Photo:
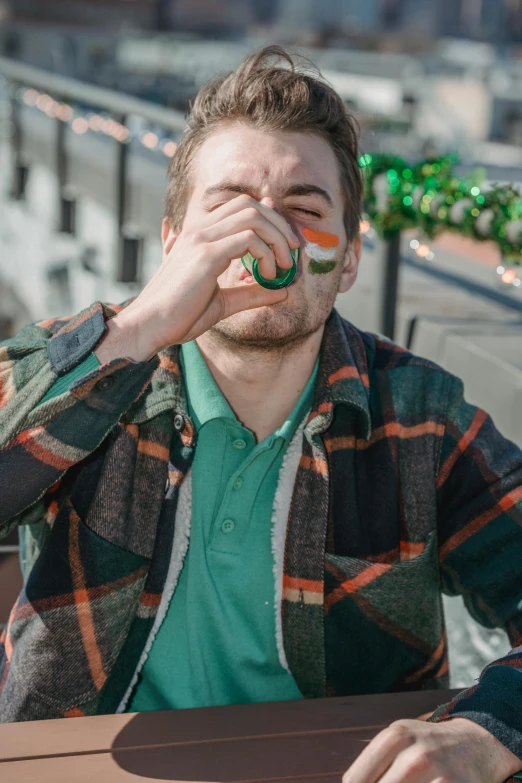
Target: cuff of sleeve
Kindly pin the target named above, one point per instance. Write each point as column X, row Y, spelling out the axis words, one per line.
column 114, row 386
column 494, row 703
column 75, row 341
column 108, row 389
column 65, row 381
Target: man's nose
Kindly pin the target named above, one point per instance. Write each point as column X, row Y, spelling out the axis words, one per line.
column 277, row 206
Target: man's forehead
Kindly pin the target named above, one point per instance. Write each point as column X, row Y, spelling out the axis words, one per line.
column 279, row 159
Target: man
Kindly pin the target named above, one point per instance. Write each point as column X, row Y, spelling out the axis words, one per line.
column 229, row 494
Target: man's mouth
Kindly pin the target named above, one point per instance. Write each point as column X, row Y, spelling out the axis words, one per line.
column 246, row 277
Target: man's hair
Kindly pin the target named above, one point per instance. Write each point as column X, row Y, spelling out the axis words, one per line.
column 268, row 92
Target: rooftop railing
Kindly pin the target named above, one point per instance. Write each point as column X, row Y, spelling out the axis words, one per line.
column 59, row 97
column 65, row 102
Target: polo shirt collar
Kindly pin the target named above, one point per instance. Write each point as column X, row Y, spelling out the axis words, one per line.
column 304, row 403
column 205, row 399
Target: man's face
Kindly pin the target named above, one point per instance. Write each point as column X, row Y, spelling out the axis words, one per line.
column 297, row 175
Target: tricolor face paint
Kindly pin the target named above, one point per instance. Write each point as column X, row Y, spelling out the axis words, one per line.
column 320, row 249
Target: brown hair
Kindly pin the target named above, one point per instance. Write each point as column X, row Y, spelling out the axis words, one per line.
column 270, row 95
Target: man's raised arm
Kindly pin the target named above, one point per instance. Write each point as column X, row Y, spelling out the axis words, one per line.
column 42, row 436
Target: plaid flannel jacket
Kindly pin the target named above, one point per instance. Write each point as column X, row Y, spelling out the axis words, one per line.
column 403, row 491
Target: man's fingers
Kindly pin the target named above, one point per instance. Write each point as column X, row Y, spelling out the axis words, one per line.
column 239, row 245
column 248, row 297
column 411, row 767
column 252, row 220
column 379, row 755
column 243, row 202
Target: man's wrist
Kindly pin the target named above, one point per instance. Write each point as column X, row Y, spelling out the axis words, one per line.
column 122, row 340
column 504, row 763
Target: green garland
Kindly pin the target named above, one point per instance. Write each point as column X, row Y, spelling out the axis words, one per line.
column 430, row 197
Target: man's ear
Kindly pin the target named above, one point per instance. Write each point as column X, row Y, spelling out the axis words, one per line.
column 168, row 236
column 350, row 265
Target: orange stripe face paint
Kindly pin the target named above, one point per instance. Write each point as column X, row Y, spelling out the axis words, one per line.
column 321, row 238
column 320, row 249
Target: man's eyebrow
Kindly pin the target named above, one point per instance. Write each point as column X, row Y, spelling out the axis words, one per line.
column 309, row 190
column 299, row 189
column 227, row 187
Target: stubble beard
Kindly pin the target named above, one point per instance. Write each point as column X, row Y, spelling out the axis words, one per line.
column 277, row 329
column 266, row 329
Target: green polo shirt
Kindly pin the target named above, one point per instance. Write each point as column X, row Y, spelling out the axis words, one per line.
column 217, row 643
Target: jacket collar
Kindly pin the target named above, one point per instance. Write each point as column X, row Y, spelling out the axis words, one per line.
column 346, row 357
column 343, row 378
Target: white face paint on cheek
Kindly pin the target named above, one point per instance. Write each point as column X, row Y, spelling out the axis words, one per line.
column 319, row 253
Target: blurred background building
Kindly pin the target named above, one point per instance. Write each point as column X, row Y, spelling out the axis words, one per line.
column 496, row 21
column 422, row 77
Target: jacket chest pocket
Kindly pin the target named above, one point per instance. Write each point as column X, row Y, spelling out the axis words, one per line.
column 383, row 621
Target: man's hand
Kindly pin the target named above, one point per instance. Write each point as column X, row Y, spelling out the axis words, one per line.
column 183, row 299
column 455, row 751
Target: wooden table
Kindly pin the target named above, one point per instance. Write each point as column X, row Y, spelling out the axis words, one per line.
column 299, row 741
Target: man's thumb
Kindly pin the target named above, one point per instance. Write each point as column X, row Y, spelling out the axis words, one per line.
column 249, row 296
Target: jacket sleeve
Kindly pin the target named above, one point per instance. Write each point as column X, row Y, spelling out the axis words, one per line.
column 40, row 442
column 479, row 498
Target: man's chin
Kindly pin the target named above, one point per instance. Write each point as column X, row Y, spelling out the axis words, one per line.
column 264, row 328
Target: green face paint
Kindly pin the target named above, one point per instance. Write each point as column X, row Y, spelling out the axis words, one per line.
column 321, row 267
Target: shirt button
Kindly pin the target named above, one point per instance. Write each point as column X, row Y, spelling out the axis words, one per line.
column 239, row 444
column 228, row 525
column 179, row 422
column 238, row 483
column 104, row 384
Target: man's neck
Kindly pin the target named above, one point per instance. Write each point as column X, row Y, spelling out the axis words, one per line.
column 262, row 388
